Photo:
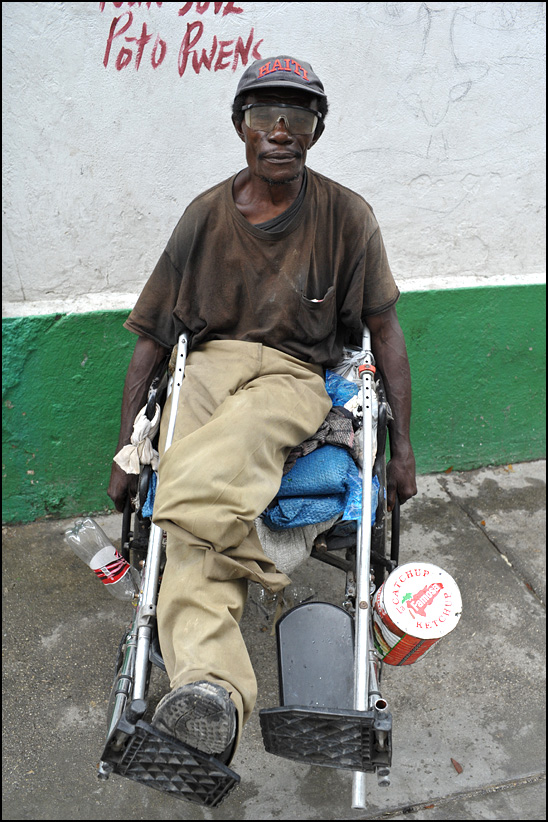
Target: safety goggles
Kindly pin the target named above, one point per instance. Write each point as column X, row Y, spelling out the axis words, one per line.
column 265, row 116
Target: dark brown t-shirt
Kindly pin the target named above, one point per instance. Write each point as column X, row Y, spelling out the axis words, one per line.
column 304, row 290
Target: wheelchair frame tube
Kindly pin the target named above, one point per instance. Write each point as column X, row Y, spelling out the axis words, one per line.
column 124, row 680
column 148, row 596
column 363, row 562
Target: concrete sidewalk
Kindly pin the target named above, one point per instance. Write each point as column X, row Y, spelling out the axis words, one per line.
column 477, row 698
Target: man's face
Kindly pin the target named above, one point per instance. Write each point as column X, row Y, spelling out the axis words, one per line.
column 277, row 156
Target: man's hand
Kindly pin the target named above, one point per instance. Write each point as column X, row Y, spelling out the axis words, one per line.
column 400, row 480
column 145, row 363
column 121, row 484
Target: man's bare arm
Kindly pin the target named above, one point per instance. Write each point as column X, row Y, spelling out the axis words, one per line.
column 389, row 350
column 142, row 369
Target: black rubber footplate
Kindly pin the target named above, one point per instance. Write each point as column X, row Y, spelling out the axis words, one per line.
column 161, row 762
column 345, row 739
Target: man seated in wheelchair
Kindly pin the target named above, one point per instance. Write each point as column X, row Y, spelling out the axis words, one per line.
column 271, row 272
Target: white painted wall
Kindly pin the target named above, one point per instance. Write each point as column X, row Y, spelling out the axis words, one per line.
column 436, row 118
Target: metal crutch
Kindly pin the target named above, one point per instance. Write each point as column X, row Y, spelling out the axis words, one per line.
column 366, row 694
column 132, row 677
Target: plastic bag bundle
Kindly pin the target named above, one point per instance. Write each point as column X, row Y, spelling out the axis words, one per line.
column 348, row 366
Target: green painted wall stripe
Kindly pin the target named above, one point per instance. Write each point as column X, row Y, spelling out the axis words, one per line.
column 62, row 389
column 478, row 366
column 478, row 370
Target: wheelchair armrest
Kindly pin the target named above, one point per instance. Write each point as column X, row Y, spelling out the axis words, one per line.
column 156, row 394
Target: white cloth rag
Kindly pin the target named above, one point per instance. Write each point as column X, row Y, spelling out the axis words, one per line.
column 289, row 548
column 140, row 451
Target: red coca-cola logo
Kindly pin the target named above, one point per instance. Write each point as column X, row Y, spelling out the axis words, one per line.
column 418, row 604
column 112, row 571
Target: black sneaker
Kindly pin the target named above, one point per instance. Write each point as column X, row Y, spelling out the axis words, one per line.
column 200, row 715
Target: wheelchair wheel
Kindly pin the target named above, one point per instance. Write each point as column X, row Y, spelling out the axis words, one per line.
column 383, row 561
column 380, row 562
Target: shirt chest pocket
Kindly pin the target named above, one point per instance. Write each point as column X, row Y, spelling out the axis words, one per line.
column 316, row 319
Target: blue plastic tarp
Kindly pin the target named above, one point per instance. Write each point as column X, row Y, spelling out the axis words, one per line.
column 324, row 484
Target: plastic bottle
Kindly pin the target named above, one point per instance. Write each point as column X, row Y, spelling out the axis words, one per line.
column 92, row 545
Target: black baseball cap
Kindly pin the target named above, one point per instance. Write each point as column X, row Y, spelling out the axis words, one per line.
column 282, row 71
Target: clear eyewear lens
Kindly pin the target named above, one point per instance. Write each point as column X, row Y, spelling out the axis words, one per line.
column 297, row 121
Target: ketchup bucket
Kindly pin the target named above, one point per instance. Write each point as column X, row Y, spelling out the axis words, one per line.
column 414, row 608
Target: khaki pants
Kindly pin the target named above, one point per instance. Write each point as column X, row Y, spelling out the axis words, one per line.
column 242, row 407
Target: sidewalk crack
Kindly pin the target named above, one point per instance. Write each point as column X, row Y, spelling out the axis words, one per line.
column 442, row 801
column 444, row 486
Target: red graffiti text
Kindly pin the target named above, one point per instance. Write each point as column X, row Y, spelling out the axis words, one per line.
column 128, row 45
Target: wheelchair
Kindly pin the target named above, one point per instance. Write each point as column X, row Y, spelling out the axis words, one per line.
column 331, row 710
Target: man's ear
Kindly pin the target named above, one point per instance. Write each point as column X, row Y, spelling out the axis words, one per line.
column 238, row 126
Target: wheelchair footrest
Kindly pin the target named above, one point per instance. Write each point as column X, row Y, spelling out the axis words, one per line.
column 161, row 762
column 345, row 739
